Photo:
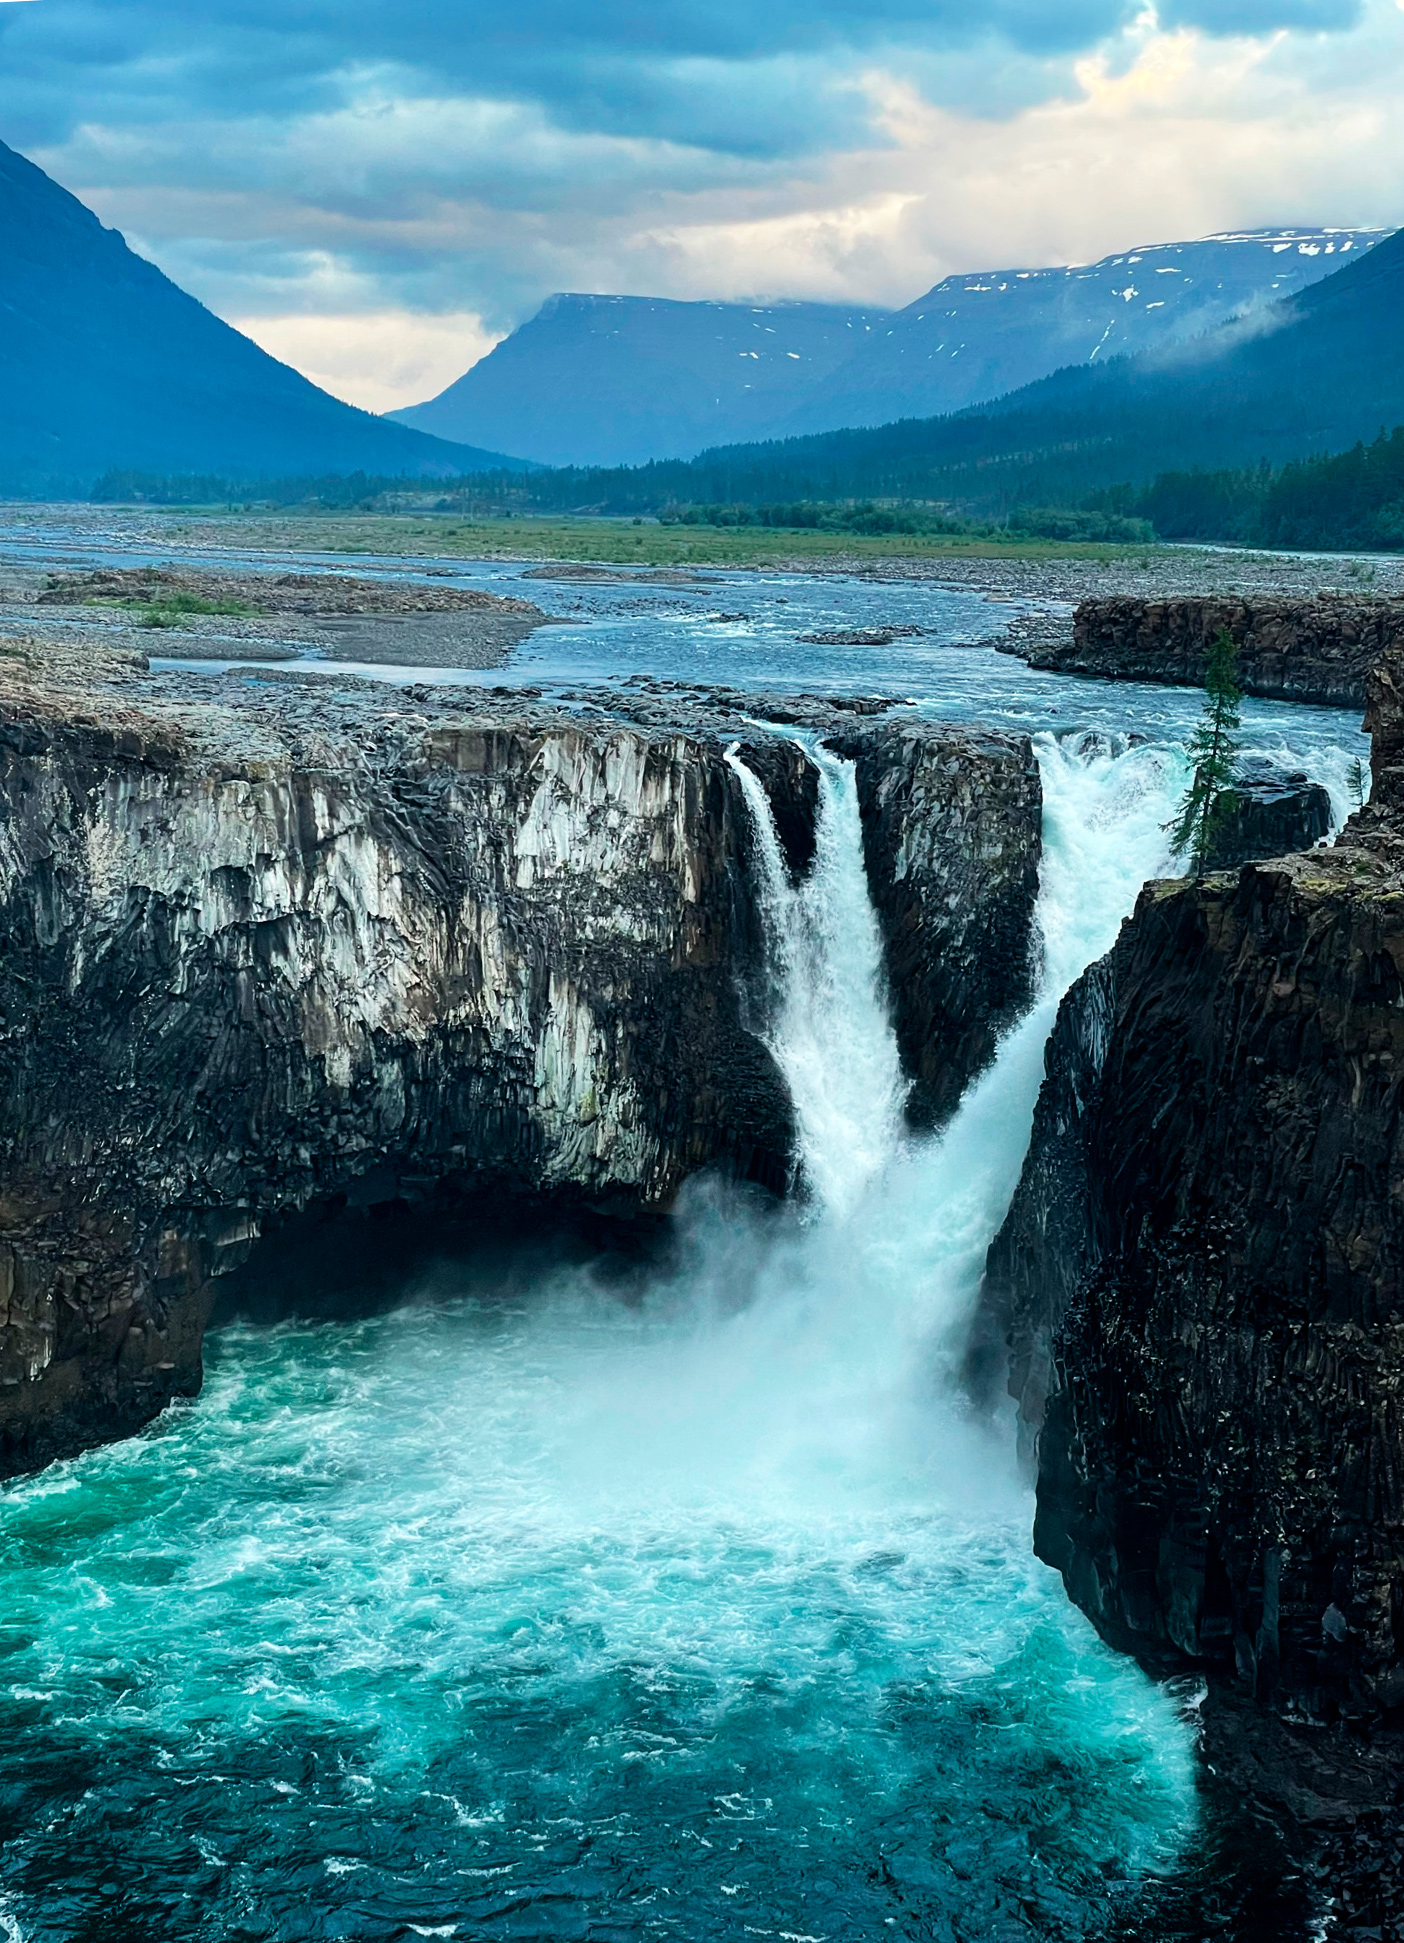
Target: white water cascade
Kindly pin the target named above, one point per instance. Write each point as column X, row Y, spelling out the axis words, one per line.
column 691, row 1616
column 832, row 1037
column 912, row 1217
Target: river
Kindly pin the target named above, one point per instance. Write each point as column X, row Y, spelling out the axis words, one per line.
column 684, row 1600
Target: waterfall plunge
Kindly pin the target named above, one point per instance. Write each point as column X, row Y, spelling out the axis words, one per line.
column 903, row 1223
column 667, row 1616
column 832, row 1037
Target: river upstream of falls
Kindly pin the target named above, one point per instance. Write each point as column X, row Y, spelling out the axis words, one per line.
column 691, row 1606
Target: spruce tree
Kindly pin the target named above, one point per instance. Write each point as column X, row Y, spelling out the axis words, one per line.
column 1213, row 746
column 1358, row 783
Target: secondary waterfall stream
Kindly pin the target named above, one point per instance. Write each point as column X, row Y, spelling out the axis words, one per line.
column 532, row 1611
column 832, row 1036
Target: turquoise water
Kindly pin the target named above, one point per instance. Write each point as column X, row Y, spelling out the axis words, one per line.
column 551, row 1606
column 353, row 1648
column 683, row 1602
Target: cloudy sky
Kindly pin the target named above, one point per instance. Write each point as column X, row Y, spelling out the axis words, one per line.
column 377, row 189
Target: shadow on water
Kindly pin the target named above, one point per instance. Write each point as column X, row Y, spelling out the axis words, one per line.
column 1243, row 1885
column 350, row 1258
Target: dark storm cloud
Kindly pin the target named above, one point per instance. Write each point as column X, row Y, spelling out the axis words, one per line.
column 659, row 69
column 344, row 157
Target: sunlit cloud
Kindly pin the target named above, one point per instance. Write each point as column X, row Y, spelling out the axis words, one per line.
column 374, row 187
column 376, row 359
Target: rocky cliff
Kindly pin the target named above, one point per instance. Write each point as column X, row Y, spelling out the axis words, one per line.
column 954, row 878
column 1200, row 1276
column 1300, row 650
column 947, row 820
column 1275, row 811
column 267, row 945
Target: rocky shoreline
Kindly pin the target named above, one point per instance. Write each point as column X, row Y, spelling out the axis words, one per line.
column 195, row 613
column 1316, row 650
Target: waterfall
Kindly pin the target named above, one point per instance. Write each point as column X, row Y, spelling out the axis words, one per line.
column 895, row 1275
column 832, row 1032
column 668, row 1615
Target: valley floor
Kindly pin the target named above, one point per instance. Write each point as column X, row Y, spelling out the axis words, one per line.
column 1016, row 566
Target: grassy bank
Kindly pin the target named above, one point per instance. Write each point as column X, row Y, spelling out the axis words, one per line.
column 606, row 541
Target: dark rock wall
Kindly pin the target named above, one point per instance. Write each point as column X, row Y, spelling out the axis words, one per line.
column 951, row 837
column 1041, row 1256
column 247, row 968
column 1275, row 811
column 1300, row 650
column 1220, row 1467
column 1200, row 1277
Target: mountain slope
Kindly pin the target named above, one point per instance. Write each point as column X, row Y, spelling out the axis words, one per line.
column 104, row 362
column 974, row 338
column 1314, row 373
column 620, row 380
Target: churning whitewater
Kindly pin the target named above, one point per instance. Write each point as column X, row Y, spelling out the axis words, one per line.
column 692, row 1606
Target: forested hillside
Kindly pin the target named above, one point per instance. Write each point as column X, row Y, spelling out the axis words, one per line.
column 1351, row 499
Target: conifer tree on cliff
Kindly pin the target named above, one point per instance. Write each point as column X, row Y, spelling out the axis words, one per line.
column 1209, row 797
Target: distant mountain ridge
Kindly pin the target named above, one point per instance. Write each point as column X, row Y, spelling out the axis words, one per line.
column 622, row 380
column 974, row 338
column 1314, row 373
column 105, row 363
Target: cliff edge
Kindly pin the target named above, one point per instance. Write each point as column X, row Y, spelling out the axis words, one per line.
column 1200, row 1284
column 1318, row 650
column 269, row 945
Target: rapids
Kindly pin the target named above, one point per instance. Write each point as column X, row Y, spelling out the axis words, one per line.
column 683, row 1601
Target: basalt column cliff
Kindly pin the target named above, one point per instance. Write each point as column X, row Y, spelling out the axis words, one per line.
column 1200, row 1277
column 264, row 947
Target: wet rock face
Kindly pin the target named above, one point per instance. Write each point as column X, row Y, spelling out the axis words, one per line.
column 1219, row 1466
column 367, row 952
column 1300, row 650
column 951, row 838
column 1201, row 1275
column 1044, row 1250
column 1276, row 811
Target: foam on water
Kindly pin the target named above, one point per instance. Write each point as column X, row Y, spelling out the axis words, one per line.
column 529, row 1610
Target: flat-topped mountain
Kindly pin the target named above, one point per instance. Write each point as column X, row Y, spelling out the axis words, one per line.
column 1310, row 373
column 104, row 362
column 973, row 338
column 622, row 380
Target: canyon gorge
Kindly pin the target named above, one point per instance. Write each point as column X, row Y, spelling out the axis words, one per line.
column 295, row 962
column 256, row 967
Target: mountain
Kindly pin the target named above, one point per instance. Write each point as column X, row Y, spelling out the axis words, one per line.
column 974, row 338
column 104, row 362
column 620, row 380
column 1312, row 373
